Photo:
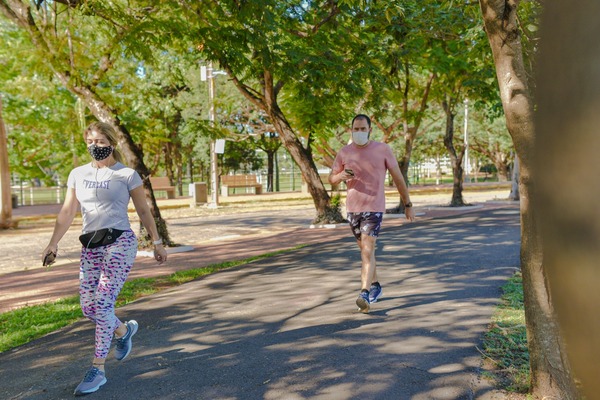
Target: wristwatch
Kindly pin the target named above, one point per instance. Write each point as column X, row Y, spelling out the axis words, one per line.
column 408, row 205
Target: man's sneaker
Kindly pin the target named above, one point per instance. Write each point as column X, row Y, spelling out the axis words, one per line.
column 363, row 302
column 93, row 379
column 375, row 293
column 124, row 343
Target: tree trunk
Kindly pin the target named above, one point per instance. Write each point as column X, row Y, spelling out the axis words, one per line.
column 456, row 159
column 514, row 189
column 404, row 161
column 502, row 164
column 550, row 372
column 308, row 169
column 303, row 158
column 270, row 169
column 5, row 193
column 21, row 15
column 567, row 144
column 173, row 158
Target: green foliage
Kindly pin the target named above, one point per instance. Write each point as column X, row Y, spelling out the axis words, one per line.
column 240, row 157
column 41, row 118
column 328, row 60
column 505, row 344
column 336, row 202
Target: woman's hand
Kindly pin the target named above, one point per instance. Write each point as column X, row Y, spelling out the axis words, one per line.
column 409, row 212
column 160, row 254
column 50, row 249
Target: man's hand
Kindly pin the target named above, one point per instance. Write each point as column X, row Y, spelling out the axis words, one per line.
column 346, row 174
column 343, row 176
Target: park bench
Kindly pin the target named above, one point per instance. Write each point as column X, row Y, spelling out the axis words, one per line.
column 239, row 181
column 162, row 183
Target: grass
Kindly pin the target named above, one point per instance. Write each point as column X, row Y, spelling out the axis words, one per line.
column 23, row 325
column 505, row 343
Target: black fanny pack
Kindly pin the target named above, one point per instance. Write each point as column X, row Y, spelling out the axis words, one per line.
column 101, row 237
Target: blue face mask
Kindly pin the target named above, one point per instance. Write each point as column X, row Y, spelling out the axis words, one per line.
column 99, row 153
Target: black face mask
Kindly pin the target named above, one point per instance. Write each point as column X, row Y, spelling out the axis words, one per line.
column 99, row 153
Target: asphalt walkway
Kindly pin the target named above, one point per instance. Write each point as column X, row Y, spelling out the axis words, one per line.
column 286, row 327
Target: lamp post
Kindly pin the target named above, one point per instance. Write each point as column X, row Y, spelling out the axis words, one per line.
column 467, row 166
column 214, row 175
column 216, row 146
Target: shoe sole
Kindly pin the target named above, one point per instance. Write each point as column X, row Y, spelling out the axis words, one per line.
column 92, row 390
column 363, row 305
column 133, row 332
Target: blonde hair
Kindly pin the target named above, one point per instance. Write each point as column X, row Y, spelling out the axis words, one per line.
column 109, row 133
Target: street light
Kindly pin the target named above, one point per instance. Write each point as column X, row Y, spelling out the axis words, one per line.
column 467, row 166
column 207, row 74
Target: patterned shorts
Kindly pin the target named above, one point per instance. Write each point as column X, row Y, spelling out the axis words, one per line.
column 367, row 223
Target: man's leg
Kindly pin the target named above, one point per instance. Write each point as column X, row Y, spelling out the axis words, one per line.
column 368, row 273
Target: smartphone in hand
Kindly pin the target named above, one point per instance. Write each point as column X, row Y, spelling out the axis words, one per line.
column 49, row 259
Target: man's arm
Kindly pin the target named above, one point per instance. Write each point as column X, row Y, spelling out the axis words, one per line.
column 403, row 190
column 335, row 178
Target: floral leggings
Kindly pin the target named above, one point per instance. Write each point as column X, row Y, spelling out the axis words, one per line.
column 102, row 274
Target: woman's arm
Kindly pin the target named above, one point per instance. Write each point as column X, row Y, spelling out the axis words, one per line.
column 143, row 211
column 63, row 221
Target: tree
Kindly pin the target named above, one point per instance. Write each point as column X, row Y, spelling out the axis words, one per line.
column 81, row 50
column 249, row 130
column 431, row 52
column 456, row 157
column 5, row 193
column 489, row 137
column 550, row 372
column 566, row 171
column 278, row 49
column 403, row 55
column 463, row 72
column 41, row 118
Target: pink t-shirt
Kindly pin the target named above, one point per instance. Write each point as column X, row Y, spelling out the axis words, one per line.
column 370, row 163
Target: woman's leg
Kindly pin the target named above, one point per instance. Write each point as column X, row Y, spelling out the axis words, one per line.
column 118, row 259
column 89, row 276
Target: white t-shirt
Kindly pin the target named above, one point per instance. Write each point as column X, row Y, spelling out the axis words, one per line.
column 103, row 194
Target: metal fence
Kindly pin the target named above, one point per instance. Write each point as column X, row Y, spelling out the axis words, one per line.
column 26, row 195
column 35, row 195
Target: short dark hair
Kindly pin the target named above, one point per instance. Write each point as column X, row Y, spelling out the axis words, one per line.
column 361, row 116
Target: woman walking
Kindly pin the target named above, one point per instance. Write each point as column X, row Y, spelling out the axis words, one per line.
column 102, row 190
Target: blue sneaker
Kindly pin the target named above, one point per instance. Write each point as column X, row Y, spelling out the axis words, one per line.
column 124, row 343
column 375, row 293
column 93, row 379
column 363, row 302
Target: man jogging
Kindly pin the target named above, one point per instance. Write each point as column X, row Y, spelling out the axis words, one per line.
column 363, row 164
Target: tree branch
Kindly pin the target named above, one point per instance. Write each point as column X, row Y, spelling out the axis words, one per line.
column 333, row 12
column 252, row 95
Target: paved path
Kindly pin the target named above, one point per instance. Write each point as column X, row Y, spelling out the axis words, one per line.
column 287, row 327
column 215, row 237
